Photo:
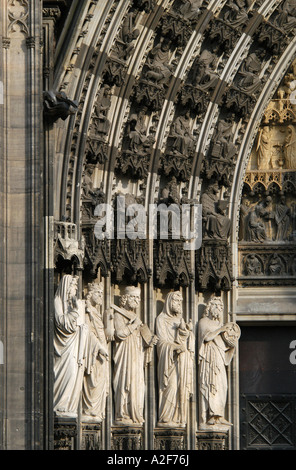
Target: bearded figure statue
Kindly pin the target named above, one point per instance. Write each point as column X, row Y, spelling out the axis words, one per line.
column 132, row 352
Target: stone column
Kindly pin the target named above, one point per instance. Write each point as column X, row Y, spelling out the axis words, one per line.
column 21, row 314
column 51, row 13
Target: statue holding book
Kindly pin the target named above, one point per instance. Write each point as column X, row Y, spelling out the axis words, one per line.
column 133, row 347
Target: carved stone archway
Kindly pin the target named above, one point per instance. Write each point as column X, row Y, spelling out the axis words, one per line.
column 168, row 107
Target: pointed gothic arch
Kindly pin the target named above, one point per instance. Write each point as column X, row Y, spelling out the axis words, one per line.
column 164, row 102
column 124, row 138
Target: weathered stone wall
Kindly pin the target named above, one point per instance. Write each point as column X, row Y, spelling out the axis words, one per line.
column 21, row 225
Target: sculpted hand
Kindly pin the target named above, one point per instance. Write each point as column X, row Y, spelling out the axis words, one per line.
column 109, row 331
column 190, row 325
column 154, row 340
column 110, row 313
column 75, row 303
column 182, row 324
column 183, row 329
column 104, row 353
column 223, row 328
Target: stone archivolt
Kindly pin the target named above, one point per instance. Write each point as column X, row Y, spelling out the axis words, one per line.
column 160, row 105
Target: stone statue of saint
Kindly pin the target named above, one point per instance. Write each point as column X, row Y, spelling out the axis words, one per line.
column 137, row 131
column 133, row 343
column 203, row 70
column 190, row 9
column 217, row 224
column 183, row 140
column 96, row 376
column 253, row 265
column 100, row 121
column 175, row 350
column 264, row 149
column 216, row 346
column 255, row 230
column 70, row 337
column 237, row 14
column 290, row 149
column 286, row 18
column 160, row 69
column 245, row 209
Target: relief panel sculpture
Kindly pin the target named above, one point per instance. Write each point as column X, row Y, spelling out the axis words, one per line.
column 289, row 148
column 274, row 148
column 269, row 220
column 267, row 212
column 220, row 162
column 116, row 65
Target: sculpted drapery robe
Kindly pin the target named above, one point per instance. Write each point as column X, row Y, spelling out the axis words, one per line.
column 213, row 356
column 282, row 219
column 217, row 224
column 128, row 378
column 69, row 351
column 290, row 149
column 175, row 371
column 96, row 379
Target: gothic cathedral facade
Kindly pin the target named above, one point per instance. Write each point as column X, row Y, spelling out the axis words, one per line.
column 148, row 224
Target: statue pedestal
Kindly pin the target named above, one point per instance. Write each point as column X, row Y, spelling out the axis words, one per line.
column 91, row 435
column 127, row 438
column 212, row 440
column 65, row 433
column 170, row 439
